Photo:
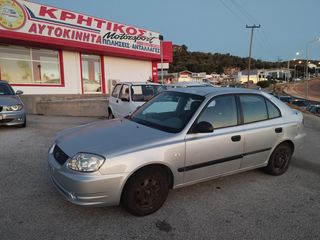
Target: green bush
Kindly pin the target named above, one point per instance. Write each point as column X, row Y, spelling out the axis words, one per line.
column 263, row 84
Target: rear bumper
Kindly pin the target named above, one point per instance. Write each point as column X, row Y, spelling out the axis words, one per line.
column 12, row 118
column 298, row 141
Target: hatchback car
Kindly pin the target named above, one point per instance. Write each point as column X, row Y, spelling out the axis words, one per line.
column 126, row 97
column 12, row 110
column 180, row 137
column 286, row 99
column 314, row 108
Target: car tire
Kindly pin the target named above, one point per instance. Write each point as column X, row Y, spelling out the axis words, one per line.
column 145, row 191
column 110, row 114
column 279, row 160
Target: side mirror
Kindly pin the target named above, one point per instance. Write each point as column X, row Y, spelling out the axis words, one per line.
column 19, row 92
column 203, row 127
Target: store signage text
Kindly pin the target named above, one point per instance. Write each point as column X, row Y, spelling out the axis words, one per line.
column 37, row 19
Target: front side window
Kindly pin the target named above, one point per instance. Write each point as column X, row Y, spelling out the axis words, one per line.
column 21, row 65
column 168, row 111
column 221, row 112
column 254, row 108
column 124, row 93
column 116, row 90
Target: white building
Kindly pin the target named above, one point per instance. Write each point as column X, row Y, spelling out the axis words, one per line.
column 46, row 50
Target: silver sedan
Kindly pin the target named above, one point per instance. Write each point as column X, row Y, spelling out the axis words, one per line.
column 180, row 137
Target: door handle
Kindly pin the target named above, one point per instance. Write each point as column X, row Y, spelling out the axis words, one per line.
column 278, row 130
column 236, row 138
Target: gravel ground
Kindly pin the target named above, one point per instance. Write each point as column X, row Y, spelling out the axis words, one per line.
column 250, row 205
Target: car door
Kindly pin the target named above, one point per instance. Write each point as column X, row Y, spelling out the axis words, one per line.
column 218, row 152
column 124, row 107
column 114, row 100
column 262, row 129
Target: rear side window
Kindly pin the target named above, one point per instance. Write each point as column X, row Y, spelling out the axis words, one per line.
column 273, row 111
column 254, row 108
column 220, row 112
column 116, row 90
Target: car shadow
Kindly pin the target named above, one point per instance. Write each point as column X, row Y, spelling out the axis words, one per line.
column 306, row 165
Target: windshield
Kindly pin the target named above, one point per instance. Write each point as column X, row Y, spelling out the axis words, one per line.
column 143, row 93
column 169, row 111
column 6, row 89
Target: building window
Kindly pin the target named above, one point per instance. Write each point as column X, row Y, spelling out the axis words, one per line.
column 21, row 65
column 91, row 73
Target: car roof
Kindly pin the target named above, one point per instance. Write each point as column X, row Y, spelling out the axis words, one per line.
column 188, row 84
column 204, row 91
column 139, row 83
column 4, row 82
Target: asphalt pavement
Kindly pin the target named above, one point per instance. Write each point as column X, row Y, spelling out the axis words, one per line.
column 250, row 205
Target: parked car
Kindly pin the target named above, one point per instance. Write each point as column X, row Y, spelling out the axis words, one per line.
column 188, row 84
column 286, row 99
column 299, row 102
column 314, row 108
column 210, row 132
column 91, row 85
column 126, row 97
column 12, row 110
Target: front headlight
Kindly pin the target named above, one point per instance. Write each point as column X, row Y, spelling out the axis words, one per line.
column 15, row 107
column 85, row 162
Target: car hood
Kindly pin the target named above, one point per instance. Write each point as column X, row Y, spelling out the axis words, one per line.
column 110, row 138
column 6, row 100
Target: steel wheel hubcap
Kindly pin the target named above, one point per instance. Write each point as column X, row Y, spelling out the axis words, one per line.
column 147, row 193
column 281, row 159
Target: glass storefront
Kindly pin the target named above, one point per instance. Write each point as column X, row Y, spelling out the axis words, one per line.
column 91, row 73
column 22, row 65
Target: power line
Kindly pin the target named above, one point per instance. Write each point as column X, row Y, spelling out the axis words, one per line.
column 244, row 16
column 243, row 11
column 232, row 11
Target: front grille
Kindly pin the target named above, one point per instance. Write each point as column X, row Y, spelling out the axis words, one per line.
column 5, row 120
column 59, row 155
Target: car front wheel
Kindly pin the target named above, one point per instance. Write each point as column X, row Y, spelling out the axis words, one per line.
column 279, row 160
column 145, row 192
column 110, row 114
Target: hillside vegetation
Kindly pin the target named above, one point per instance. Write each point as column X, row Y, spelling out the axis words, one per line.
column 213, row 62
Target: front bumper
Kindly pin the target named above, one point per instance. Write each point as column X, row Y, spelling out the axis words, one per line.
column 12, row 118
column 86, row 189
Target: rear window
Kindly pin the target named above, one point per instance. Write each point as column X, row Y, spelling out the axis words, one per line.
column 273, row 111
column 143, row 93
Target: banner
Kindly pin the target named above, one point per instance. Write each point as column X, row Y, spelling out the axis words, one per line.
column 41, row 20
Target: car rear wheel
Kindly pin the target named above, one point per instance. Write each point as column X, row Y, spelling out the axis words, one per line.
column 146, row 191
column 279, row 160
column 110, row 114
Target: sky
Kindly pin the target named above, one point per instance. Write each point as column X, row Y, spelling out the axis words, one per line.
column 218, row 26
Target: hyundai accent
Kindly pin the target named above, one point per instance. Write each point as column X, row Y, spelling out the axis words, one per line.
column 180, row 137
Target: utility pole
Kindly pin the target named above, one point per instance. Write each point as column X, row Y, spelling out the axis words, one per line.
column 161, row 56
column 252, row 28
